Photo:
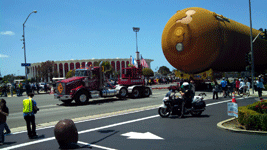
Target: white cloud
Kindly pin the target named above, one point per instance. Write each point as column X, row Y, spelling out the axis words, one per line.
column 7, row 33
column 3, row 56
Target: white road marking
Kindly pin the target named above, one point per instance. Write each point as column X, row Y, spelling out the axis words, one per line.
column 144, row 136
column 95, row 129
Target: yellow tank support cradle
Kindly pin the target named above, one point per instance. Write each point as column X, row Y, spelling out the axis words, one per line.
column 27, row 105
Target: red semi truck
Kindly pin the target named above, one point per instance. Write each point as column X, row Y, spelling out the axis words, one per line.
column 90, row 82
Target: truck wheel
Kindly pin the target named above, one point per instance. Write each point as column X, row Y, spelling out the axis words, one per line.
column 67, row 101
column 146, row 92
column 81, row 97
column 122, row 93
column 135, row 93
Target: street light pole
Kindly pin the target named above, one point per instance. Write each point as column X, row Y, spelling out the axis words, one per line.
column 136, row 29
column 24, row 44
column 251, row 46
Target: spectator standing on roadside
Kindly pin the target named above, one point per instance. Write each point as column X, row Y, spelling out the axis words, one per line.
column 5, row 109
column 45, row 88
column 237, row 84
column 192, row 87
column 215, row 89
column 224, row 85
column 260, row 86
column 33, row 87
column 28, row 114
column 20, row 89
column 242, row 86
column 3, row 115
column 37, row 87
column 4, row 91
column 247, row 86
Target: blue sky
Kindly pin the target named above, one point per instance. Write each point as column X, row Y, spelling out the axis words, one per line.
column 85, row 29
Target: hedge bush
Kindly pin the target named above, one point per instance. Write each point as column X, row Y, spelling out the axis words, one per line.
column 254, row 116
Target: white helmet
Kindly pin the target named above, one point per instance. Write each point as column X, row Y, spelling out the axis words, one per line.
column 185, row 84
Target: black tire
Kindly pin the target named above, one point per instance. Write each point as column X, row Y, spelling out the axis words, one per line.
column 67, row 101
column 164, row 112
column 81, row 97
column 123, row 93
column 196, row 113
column 146, row 92
column 135, row 93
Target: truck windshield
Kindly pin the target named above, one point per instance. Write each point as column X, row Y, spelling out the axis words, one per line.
column 81, row 73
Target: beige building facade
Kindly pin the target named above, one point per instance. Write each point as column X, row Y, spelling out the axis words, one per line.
column 62, row 67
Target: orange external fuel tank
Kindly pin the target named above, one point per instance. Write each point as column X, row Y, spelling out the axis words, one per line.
column 195, row 40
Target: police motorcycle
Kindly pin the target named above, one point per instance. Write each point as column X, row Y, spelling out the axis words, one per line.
column 172, row 105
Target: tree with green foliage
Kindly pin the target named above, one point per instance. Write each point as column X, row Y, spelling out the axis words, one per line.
column 46, row 70
column 147, row 72
column 164, row 70
column 8, row 78
column 70, row 74
column 108, row 69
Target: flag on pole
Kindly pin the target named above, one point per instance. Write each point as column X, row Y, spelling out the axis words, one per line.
column 143, row 62
column 131, row 60
column 135, row 63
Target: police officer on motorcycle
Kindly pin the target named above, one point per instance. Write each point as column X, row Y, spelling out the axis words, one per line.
column 187, row 95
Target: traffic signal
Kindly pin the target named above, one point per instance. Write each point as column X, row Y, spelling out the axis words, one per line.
column 103, row 69
column 248, row 58
column 248, row 68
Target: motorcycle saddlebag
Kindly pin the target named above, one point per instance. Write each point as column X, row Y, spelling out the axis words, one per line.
column 199, row 105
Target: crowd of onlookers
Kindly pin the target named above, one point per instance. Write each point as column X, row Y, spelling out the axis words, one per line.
column 20, row 88
column 239, row 85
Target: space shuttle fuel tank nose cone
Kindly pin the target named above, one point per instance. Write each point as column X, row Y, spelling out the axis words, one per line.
column 183, row 39
column 195, row 40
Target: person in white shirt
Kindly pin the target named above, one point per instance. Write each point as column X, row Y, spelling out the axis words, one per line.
column 247, row 86
column 242, row 86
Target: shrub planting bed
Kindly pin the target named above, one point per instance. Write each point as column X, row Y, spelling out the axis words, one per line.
column 254, row 116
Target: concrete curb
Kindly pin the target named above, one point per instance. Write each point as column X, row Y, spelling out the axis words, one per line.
column 220, row 125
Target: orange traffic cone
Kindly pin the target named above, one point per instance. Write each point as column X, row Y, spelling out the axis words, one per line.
column 233, row 98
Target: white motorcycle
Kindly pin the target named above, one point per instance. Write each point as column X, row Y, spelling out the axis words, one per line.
column 172, row 105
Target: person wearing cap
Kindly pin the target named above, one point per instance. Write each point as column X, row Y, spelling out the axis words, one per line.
column 224, row 86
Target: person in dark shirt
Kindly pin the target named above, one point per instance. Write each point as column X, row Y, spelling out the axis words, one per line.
column 3, row 114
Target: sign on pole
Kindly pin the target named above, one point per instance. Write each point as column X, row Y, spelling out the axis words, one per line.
column 25, row 64
column 232, row 109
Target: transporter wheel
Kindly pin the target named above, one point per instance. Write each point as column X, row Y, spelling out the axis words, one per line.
column 146, row 92
column 135, row 93
column 81, row 97
column 123, row 93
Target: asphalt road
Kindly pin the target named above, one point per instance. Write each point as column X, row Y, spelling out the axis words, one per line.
column 147, row 130
column 52, row 110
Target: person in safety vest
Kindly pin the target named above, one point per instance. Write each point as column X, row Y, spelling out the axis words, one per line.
column 29, row 109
